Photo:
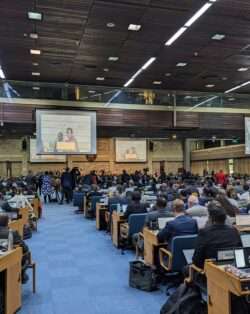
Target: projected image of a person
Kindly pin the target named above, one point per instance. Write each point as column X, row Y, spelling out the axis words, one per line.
column 70, row 138
column 59, row 139
column 131, row 153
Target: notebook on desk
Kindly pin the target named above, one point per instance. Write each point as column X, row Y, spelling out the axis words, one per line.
column 243, row 220
column 162, row 221
column 245, row 239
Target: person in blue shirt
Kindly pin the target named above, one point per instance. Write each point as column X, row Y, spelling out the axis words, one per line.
column 182, row 224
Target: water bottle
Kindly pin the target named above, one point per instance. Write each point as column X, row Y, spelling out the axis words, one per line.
column 10, row 240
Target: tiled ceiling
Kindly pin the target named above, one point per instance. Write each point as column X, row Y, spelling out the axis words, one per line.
column 76, row 42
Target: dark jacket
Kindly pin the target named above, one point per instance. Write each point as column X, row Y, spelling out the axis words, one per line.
column 67, row 180
column 180, row 226
column 135, row 208
column 212, row 238
column 154, row 215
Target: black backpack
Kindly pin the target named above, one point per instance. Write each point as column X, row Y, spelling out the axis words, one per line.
column 142, row 277
column 185, row 300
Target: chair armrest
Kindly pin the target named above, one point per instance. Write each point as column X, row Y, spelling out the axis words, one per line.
column 124, row 229
column 165, row 253
column 137, row 248
column 107, row 217
column 193, row 269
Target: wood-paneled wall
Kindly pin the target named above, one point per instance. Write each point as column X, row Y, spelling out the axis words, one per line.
column 218, row 158
column 168, row 151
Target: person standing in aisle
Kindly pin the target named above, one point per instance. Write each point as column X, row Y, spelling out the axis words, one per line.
column 46, row 187
column 67, row 186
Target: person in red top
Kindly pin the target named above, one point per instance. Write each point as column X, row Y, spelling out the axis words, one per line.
column 220, row 177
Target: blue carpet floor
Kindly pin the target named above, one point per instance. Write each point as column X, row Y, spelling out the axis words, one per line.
column 80, row 272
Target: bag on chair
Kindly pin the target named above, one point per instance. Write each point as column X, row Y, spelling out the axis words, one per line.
column 142, row 277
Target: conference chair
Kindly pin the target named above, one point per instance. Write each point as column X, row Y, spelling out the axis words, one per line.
column 92, row 210
column 32, row 265
column 174, row 260
column 134, row 225
column 78, row 199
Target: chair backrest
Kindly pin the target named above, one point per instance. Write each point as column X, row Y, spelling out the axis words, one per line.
column 78, row 199
column 136, row 223
column 94, row 201
column 179, row 244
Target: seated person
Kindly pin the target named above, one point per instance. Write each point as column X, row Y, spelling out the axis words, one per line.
column 180, row 226
column 194, row 208
column 135, row 207
column 17, row 241
column 159, row 211
column 245, row 196
column 116, row 198
column 215, row 236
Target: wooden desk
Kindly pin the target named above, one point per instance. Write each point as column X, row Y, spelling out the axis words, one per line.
column 100, row 216
column 220, row 285
column 36, row 204
column 17, row 225
column 117, row 219
column 11, row 264
column 25, row 215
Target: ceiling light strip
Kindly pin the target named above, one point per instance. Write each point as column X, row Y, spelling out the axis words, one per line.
column 143, row 68
column 2, row 75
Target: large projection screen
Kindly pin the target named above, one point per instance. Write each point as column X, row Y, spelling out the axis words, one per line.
column 131, row 150
column 34, row 158
column 62, row 132
column 247, row 135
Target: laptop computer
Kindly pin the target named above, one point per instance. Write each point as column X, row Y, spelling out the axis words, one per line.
column 225, row 256
column 188, row 253
column 242, row 259
column 243, row 220
column 162, row 221
column 245, row 239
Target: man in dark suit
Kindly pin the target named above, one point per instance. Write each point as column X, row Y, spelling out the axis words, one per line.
column 67, row 186
column 159, row 211
column 215, row 236
column 180, row 226
column 136, row 207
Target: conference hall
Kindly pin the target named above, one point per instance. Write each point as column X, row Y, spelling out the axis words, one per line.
column 125, row 157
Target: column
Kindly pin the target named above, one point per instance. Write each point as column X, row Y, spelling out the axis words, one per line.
column 187, row 154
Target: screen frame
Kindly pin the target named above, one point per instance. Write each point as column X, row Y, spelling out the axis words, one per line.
column 132, row 161
column 92, row 115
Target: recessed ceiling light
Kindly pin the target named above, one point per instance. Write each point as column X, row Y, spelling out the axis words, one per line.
column 35, row 16
column 242, row 69
column 33, row 35
column 157, row 82
column 106, row 70
column 181, row 64
column 196, row 54
column 110, row 25
column 231, row 99
column 100, row 78
column 218, row 36
column 36, row 88
column 210, row 85
column 224, row 78
column 168, row 74
column 113, row 58
column 35, row 51
column 92, row 91
column 35, row 64
column 35, row 73
column 134, row 27
column 174, row 136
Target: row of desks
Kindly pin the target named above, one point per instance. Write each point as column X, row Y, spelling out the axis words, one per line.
column 220, row 283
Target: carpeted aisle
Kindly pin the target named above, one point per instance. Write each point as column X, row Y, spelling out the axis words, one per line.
column 80, row 272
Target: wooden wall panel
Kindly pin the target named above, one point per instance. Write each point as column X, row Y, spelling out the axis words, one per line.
column 197, row 167
column 234, row 151
column 187, row 119
column 222, row 121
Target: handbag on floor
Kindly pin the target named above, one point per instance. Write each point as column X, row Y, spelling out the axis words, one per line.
column 142, row 276
column 185, row 300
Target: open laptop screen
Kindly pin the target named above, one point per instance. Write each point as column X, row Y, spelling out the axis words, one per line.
column 245, row 239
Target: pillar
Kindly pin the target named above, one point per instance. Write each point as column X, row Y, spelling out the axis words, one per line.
column 187, row 154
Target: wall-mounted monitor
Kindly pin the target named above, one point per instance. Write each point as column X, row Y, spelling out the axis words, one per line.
column 34, row 158
column 131, row 150
column 62, row 132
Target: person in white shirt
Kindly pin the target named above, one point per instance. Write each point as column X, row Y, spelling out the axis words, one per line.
column 245, row 196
